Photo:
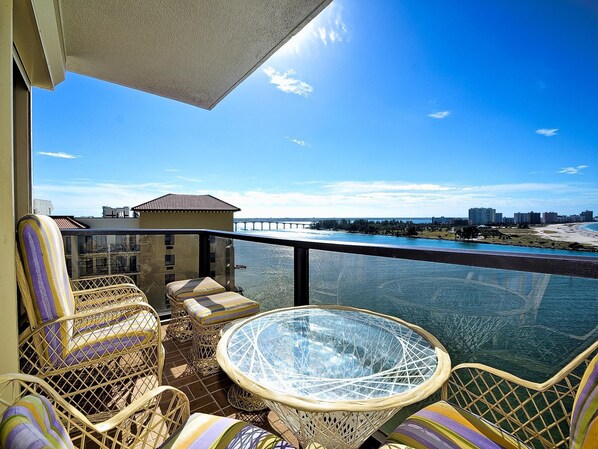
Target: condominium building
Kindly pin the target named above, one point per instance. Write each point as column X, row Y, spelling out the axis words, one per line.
column 482, row 215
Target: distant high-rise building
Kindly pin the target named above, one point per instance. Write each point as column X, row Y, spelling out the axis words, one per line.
column 535, row 218
column 44, row 207
column 482, row 215
column 498, row 217
column 527, row 218
column 587, row 215
column 550, row 217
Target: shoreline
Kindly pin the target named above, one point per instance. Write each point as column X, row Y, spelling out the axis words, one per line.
column 568, row 232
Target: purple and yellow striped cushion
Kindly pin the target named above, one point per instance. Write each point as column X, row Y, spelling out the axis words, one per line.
column 442, row 425
column 32, row 423
column 584, row 421
column 219, row 308
column 192, row 288
column 216, row 432
column 41, row 247
column 116, row 336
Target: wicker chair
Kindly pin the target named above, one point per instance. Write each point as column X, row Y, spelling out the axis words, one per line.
column 484, row 407
column 94, row 346
column 36, row 416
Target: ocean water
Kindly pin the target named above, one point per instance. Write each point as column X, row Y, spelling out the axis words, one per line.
column 526, row 323
column 591, row 227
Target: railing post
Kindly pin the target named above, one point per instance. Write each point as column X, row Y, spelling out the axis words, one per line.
column 301, row 269
column 204, row 255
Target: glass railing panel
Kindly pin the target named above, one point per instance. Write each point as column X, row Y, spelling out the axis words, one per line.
column 529, row 324
column 151, row 261
column 264, row 273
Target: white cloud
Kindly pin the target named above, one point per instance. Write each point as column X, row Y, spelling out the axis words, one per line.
column 440, row 114
column 187, row 179
column 171, row 170
column 547, row 132
column 334, row 199
column 59, row 155
column 86, row 198
column 572, row 170
column 286, row 83
column 301, row 143
column 328, row 27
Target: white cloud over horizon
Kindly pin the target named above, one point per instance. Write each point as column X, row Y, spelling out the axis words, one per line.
column 547, row 132
column 301, row 143
column 440, row 114
column 335, row 199
column 573, row 170
column 59, row 155
column 286, row 83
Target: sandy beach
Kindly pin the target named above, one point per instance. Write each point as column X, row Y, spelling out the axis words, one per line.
column 568, row 232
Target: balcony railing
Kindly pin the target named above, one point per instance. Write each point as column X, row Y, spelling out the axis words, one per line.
column 525, row 313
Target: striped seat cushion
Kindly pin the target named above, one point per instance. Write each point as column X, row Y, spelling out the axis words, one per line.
column 116, row 336
column 444, row 426
column 216, row 432
column 584, row 421
column 32, row 423
column 219, row 308
column 192, row 288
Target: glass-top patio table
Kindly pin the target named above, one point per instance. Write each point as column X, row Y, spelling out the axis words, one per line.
column 333, row 374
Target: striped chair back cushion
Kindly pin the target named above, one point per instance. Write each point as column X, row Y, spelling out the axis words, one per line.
column 32, row 423
column 42, row 252
column 584, row 421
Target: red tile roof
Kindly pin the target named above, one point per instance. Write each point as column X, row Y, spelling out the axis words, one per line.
column 65, row 222
column 173, row 202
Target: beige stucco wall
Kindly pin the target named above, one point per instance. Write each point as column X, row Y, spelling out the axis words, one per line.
column 222, row 221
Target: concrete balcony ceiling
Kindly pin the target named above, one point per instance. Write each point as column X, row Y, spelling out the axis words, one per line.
column 191, row 51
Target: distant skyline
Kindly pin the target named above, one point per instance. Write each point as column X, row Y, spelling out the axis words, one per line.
column 375, row 109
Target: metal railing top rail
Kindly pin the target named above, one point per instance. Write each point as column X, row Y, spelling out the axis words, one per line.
column 566, row 265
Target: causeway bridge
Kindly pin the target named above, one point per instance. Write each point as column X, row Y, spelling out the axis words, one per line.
column 268, row 225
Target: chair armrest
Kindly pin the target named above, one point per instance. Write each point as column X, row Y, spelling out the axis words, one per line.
column 530, row 411
column 100, row 281
column 107, row 296
column 148, row 421
column 143, row 424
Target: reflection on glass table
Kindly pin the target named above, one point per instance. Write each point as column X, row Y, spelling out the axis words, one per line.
column 333, row 374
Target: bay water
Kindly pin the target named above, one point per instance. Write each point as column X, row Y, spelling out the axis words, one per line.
column 526, row 323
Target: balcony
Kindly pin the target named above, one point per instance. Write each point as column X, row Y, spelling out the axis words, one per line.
column 527, row 314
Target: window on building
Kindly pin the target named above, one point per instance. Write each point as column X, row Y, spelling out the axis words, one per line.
column 169, row 239
column 168, row 278
column 169, row 260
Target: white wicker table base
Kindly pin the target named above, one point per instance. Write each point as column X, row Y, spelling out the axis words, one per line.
column 331, row 430
column 243, row 400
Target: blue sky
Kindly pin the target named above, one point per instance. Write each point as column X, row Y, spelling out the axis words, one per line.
column 376, row 109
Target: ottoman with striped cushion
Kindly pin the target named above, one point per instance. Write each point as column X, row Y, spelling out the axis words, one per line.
column 208, row 315
column 177, row 292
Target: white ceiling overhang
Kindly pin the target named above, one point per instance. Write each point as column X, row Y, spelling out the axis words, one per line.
column 191, row 51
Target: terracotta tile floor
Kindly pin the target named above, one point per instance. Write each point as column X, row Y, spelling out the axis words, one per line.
column 208, row 394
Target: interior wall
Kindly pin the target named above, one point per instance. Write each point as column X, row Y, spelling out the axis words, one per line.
column 8, row 299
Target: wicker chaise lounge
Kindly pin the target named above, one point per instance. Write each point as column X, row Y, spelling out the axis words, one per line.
column 483, row 407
